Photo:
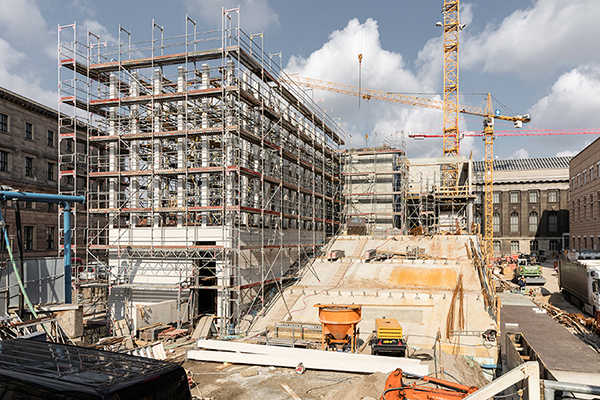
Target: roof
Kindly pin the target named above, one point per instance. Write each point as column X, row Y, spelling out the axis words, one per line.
column 521, row 164
column 54, row 365
column 28, row 103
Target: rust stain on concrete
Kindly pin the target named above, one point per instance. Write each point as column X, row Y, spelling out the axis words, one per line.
column 420, row 277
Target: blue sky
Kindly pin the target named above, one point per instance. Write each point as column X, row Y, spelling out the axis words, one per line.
column 539, row 57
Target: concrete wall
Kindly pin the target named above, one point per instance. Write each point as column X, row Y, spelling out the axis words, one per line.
column 44, row 281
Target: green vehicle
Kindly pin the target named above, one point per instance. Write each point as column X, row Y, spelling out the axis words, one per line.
column 531, row 273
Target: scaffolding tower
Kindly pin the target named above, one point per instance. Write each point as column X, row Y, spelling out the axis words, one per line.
column 209, row 181
column 375, row 180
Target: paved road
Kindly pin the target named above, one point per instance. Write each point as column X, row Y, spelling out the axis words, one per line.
column 550, row 292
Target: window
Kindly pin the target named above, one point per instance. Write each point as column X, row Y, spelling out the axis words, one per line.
column 70, row 180
column 554, row 245
column 533, row 221
column 584, row 177
column 514, row 222
column 3, row 123
column 591, row 173
column 478, row 218
column 496, row 245
column 50, row 171
column 552, row 196
column 50, row 137
column 514, row 197
column 573, row 183
column 28, row 204
column 50, row 206
column 552, row 221
column 533, row 245
column 496, row 198
column 533, row 197
column 478, row 198
column 50, row 235
column 28, row 238
column 28, row 131
column 3, row 160
column 69, row 146
column 28, row 166
column 514, row 246
column 578, row 180
column 496, row 222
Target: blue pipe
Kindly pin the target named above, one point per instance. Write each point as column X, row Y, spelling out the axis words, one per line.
column 64, row 201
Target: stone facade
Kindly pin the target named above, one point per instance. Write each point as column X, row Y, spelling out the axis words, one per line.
column 530, row 204
column 584, row 179
column 29, row 163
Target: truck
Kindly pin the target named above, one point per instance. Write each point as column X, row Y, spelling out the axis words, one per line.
column 531, row 273
column 388, row 338
column 580, row 283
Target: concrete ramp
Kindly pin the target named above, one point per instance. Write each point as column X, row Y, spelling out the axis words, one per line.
column 422, row 294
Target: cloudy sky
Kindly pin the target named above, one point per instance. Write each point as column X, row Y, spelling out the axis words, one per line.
column 540, row 57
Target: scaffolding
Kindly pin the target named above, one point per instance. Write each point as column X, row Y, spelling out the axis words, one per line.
column 375, row 182
column 209, row 181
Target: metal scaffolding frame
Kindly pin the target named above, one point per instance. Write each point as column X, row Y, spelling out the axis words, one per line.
column 205, row 173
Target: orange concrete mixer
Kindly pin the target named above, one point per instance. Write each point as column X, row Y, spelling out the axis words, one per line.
column 339, row 324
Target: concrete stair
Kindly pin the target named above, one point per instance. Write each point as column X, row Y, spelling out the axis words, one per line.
column 347, row 261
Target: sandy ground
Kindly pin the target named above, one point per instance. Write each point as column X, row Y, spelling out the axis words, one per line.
column 233, row 382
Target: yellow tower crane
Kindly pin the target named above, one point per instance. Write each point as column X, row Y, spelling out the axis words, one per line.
column 488, row 123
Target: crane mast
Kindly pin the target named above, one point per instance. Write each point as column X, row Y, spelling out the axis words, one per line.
column 451, row 28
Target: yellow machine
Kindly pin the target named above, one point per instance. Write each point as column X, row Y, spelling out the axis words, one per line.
column 388, row 338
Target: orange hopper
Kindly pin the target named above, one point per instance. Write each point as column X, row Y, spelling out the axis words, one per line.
column 339, row 324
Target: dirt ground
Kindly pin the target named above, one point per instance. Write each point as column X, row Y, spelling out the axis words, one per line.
column 237, row 382
column 233, row 382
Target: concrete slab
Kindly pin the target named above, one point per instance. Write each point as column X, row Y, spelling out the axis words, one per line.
column 418, row 293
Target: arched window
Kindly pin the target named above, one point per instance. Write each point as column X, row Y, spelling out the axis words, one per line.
column 514, row 222
column 496, row 221
column 533, row 221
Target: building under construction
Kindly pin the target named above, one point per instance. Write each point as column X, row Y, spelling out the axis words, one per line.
column 208, row 180
column 386, row 192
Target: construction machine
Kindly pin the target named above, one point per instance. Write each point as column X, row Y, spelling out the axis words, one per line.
column 388, row 338
column 396, row 389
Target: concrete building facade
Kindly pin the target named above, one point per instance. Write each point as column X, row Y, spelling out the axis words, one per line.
column 530, row 204
column 29, row 163
column 584, row 184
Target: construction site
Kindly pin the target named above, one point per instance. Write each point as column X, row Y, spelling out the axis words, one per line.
column 227, row 218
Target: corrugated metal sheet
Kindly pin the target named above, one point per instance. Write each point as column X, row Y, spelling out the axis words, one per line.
column 422, row 277
column 525, row 164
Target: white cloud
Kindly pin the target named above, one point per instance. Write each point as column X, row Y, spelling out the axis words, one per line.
column 337, row 61
column 97, row 28
column 13, row 77
column 255, row 15
column 550, row 35
column 573, row 101
column 567, row 153
column 521, row 153
column 25, row 28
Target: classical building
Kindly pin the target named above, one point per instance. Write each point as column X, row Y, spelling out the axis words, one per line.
column 29, row 163
column 584, row 175
column 530, row 204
